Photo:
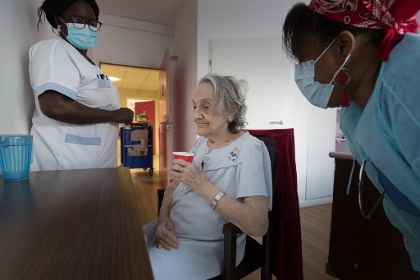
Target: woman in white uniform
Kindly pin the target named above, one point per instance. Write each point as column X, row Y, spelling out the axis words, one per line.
column 75, row 123
column 228, row 181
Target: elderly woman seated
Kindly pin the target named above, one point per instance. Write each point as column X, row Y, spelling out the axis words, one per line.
column 229, row 180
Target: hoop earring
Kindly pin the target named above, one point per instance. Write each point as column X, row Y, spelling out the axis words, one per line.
column 342, row 80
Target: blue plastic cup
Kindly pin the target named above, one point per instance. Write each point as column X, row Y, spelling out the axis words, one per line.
column 15, row 156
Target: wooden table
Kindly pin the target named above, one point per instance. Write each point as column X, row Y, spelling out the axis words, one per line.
column 72, row 224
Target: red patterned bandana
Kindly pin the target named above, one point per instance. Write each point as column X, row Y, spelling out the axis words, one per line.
column 395, row 16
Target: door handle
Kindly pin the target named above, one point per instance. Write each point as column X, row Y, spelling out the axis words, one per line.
column 277, row 122
column 168, row 124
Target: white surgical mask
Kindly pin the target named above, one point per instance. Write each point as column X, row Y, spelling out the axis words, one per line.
column 316, row 93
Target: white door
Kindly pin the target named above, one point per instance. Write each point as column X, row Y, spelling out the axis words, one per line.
column 270, row 75
column 321, row 141
column 259, row 61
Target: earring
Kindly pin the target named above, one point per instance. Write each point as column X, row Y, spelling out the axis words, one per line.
column 343, row 79
column 58, row 28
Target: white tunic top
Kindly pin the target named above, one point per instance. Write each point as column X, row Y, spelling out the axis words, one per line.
column 240, row 169
column 56, row 65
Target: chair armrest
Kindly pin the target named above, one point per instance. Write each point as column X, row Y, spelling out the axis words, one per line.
column 230, row 228
column 266, row 273
column 230, row 232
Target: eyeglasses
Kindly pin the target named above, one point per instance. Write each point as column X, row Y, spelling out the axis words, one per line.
column 361, row 202
column 80, row 23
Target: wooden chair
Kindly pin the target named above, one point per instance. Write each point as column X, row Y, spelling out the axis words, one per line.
column 280, row 253
column 256, row 255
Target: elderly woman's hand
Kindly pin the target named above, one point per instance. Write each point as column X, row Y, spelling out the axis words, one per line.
column 187, row 173
column 166, row 236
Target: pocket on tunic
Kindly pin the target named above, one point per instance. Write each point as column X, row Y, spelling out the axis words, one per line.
column 104, row 83
column 80, row 152
column 75, row 139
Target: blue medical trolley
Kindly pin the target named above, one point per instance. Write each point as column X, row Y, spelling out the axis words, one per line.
column 137, row 146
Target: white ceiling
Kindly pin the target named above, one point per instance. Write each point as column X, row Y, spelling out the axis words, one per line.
column 156, row 11
column 163, row 12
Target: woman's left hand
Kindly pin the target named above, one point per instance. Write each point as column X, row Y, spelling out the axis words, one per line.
column 166, row 236
column 187, row 173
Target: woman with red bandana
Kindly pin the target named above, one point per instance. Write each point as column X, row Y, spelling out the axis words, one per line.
column 364, row 55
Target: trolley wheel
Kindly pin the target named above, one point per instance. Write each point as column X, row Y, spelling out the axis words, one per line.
column 150, row 172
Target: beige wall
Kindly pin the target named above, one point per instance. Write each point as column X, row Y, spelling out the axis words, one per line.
column 143, row 95
column 184, row 131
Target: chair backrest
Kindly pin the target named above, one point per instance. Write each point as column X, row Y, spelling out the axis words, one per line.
column 266, row 269
column 281, row 251
column 271, row 145
column 256, row 255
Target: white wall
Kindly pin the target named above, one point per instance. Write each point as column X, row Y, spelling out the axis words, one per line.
column 221, row 19
column 18, row 33
column 131, row 42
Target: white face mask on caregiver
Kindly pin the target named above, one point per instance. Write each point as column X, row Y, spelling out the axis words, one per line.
column 316, row 93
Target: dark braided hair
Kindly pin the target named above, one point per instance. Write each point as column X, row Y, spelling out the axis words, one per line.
column 53, row 8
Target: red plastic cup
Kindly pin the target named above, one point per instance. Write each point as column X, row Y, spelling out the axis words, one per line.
column 183, row 155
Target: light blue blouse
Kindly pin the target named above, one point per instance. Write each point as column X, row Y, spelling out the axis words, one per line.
column 240, row 169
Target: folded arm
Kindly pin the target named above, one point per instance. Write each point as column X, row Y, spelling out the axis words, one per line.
column 61, row 108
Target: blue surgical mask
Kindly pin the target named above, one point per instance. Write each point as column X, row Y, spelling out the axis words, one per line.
column 82, row 38
column 316, row 93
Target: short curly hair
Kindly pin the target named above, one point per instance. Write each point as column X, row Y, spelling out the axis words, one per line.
column 53, row 8
column 230, row 93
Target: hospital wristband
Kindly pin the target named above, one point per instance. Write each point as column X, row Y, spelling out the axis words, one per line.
column 216, row 200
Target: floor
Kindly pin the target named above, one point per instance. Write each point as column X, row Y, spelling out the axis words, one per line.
column 315, row 226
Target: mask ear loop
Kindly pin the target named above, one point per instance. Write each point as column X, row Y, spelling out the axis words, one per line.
column 324, row 51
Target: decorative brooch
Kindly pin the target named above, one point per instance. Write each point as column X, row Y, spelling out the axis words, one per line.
column 234, row 154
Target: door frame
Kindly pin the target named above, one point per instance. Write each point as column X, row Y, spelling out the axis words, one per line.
column 165, row 117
